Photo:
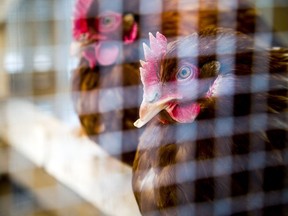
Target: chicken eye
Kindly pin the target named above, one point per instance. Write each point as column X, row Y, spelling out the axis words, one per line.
column 185, row 72
column 106, row 21
column 109, row 21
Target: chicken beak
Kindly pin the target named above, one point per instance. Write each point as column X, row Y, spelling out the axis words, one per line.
column 149, row 110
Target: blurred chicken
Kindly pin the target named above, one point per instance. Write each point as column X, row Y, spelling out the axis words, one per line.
column 107, row 38
column 215, row 105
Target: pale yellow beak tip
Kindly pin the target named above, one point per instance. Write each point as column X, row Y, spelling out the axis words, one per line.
column 139, row 123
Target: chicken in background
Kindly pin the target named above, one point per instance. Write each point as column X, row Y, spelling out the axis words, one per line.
column 107, row 37
column 215, row 142
column 106, row 41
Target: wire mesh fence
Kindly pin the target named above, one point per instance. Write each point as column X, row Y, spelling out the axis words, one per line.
column 219, row 146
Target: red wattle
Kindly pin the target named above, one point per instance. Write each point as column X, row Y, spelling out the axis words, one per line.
column 184, row 113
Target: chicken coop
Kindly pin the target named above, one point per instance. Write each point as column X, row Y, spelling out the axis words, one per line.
column 136, row 107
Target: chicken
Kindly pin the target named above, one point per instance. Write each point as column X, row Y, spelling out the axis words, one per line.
column 106, row 41
column 214, row 113
column 107, row 38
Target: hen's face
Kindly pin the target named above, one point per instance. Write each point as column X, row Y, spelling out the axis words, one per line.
column 187, row 84
column 178, row 77
column 99, row 34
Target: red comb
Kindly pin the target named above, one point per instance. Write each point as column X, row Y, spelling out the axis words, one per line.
column 153, row 55
column 80, row 25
